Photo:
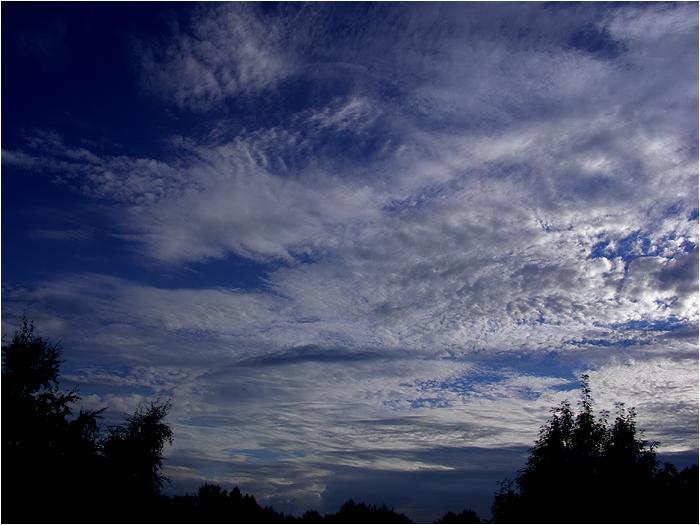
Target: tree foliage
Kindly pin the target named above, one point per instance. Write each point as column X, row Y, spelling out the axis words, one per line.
column 351, row 512
column 134, row 451
column 584, row 469
column 466, row 516
column 212, row 504
column 79, row 470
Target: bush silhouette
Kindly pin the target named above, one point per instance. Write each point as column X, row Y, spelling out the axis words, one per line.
column 586, row 470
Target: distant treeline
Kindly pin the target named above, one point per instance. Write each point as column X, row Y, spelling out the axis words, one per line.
column 62, row 467
column 212, row 504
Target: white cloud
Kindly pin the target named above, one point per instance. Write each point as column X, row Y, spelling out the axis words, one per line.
column 224, row 51
column 636, row 382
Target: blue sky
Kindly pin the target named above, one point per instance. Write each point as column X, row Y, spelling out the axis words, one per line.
column 363, row 247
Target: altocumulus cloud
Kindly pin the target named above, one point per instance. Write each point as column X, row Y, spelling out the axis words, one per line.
column 469, row 206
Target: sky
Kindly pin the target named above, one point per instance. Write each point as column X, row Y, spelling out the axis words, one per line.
column 364, row 248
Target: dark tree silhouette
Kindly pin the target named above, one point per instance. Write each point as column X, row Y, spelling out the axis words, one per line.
column 57, row 466
column 311, row 516
column 212, row 504
column 585, row 470
column 135, row 449
column 466, row 516
column 133, row 454
column 41, row 445
column 351, row 512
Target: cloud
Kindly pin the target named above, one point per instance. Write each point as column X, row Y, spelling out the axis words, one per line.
column 525, row 225
column 61, row 235
column 293, row 187
column 223, row 51
column 301, row 425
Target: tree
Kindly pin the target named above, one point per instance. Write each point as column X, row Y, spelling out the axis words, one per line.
column 582, row 469
column 351, row 512
column 134, row 451
column 40, row 441
column 79, row 471
column 466, row 516
column 212, row 504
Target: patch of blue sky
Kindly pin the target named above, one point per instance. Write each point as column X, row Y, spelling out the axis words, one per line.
column 688, row 246
column 348, row 144
column 476, row 381
column 459, row 384
column 567, row 387
column 602, row 342
column 23, row 218
column 529, row 393
column 550, row 364
column 673, row 210
column 462, row 385
column 657, row 325
column 639, row 243
column 80, row 104
column 109, row 254
column 230, row 271
column 306, row 256
column 597, row 41
column 636, row 244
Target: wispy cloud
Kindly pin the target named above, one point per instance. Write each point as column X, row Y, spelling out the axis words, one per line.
column 223, row 51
